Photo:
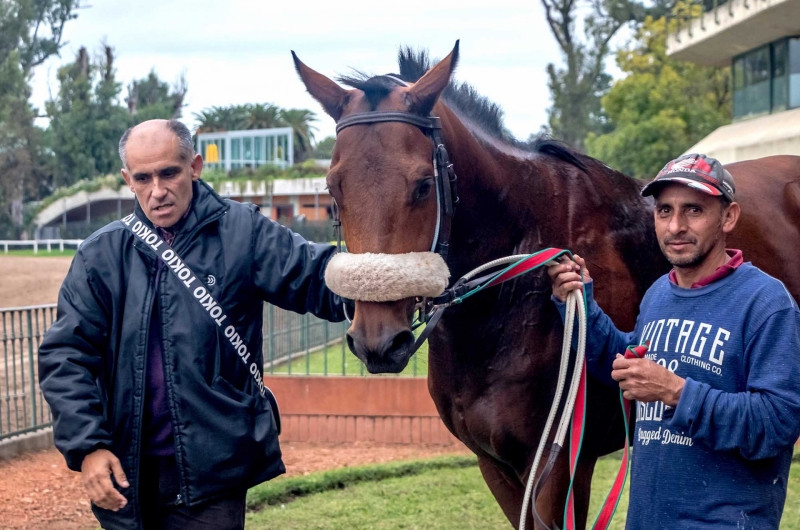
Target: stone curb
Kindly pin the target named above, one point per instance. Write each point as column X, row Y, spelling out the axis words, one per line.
column 26, row 443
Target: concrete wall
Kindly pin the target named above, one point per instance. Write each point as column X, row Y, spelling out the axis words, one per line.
column 365, row 409
column 735, row 27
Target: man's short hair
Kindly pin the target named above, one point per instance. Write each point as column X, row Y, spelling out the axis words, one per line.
column 182, row 132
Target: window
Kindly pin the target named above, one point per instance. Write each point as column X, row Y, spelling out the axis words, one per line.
column 794, row 72
column 780, row 80
column 247, row 144
column 763, row 79
column 270, row 153
column 236, row 149
column 259, row 150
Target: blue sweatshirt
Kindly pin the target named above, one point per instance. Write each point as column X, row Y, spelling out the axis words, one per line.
column 721, row 457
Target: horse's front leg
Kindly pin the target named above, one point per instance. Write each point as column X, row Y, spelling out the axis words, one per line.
column 505, row 487
column 509, row 491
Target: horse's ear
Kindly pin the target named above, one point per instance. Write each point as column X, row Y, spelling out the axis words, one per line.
column 323, row 89
column 424, row 93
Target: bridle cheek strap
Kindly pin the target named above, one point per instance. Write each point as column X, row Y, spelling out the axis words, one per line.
column 387, row 277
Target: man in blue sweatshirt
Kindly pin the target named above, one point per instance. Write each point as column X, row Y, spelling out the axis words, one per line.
column 718, row 394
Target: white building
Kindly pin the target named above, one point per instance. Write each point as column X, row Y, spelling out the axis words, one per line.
column 760, row 40
column 242, row 149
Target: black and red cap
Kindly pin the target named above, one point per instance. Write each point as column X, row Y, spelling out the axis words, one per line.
column 700, row 172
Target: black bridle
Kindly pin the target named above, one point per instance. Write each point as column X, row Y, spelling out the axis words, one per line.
column 446, row 196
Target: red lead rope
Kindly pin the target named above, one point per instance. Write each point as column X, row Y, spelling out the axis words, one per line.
column 578, row 421
column 576, row 436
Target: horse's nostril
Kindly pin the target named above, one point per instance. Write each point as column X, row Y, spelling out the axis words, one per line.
column 399, row 343
column 351, row 344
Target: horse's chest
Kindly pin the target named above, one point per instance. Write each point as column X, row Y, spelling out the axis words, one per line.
column 488, row 423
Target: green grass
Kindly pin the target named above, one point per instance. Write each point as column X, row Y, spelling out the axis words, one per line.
column 440, row 494
column 28, row 252
column 315, row 363
column 433, row 499
column 285, row 490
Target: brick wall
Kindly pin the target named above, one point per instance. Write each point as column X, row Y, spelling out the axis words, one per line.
column 367, row 409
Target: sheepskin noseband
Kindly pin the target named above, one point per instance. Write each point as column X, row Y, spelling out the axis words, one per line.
column 387, row 277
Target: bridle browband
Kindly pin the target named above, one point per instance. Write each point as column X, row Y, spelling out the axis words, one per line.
column 446, row 194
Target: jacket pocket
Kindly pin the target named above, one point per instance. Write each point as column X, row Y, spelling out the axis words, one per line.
column 273, row 403
column 222, row 386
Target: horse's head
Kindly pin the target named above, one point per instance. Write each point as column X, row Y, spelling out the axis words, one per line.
column 382, row 179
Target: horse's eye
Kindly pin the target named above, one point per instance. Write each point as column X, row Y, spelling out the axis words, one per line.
column 423, row 189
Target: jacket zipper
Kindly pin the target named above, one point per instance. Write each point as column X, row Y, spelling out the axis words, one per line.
column 141, row 405
column 182, row 494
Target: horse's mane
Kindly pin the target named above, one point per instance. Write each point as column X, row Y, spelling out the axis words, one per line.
column 462, row 97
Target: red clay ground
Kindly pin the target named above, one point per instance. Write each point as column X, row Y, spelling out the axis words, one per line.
column 38, row 491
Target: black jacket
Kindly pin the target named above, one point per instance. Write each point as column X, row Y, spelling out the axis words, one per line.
column 92, row 360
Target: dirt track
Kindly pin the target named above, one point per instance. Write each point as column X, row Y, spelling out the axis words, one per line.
column 31, row 281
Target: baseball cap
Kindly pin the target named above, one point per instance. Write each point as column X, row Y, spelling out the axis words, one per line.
column 697, row 171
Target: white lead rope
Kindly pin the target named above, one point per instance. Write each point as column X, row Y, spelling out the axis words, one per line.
column 574, row 299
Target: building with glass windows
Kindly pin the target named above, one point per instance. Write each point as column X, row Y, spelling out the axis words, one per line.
column 760, row 40
column 247, row 149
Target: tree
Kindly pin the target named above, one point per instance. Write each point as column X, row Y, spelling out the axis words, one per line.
column 661, row 108
column 324, row 148
column 216, row 119
column 576, row 90
column 30, row 32
column 86, row 119
column 151, row 98
column 18, row 141
column 34, row 28
column 300, row 122
column 264, row 116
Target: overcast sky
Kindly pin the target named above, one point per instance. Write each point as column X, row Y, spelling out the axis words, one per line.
column 238, row 51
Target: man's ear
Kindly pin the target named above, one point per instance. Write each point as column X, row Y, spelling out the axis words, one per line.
column 730, row 216
column 127, row 177
column 197, row 166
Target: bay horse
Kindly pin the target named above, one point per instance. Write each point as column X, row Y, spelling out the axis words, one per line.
column 493, row 360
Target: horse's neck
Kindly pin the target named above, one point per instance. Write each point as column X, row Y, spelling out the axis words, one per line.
column 505, row 198
column 513, row 202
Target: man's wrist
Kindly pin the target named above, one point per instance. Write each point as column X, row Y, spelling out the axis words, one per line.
column 674, row 394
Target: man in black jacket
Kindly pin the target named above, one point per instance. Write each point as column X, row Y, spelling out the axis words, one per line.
column 156, row 401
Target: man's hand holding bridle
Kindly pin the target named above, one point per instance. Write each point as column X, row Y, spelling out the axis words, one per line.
column 646, row 381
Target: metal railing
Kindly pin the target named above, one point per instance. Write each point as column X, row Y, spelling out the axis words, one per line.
column 292, row 345
column 22, row 406
column 37, row 244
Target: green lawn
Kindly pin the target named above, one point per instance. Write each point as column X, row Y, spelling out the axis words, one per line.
column 447, row 498
column 28, row 252
column 440, row 499
column 315, row 363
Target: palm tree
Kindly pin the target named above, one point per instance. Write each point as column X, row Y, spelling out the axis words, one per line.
column 217, row 119
column 264, row 116
column 300, row 122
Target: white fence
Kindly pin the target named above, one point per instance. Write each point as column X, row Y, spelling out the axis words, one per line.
column 46, row 245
